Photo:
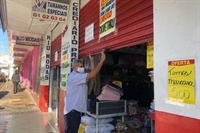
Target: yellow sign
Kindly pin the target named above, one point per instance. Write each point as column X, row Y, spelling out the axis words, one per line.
column 181, row 81
column 150, row 50
column 107, row 18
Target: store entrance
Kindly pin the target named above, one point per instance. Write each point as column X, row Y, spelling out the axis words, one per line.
column 128, row 65
column 55, row 85
column 124, row 76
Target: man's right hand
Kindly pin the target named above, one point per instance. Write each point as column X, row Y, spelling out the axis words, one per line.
column 103, row 55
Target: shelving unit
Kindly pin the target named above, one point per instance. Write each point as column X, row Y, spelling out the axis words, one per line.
column 107, row 109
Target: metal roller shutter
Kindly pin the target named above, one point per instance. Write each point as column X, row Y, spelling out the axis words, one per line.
column 134, row 23
column 56, row 46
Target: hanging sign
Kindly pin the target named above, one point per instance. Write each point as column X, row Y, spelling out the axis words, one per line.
column 181, row 81
column 107, row 17
column 150, row 51
column 50, row 10
column 25, row 40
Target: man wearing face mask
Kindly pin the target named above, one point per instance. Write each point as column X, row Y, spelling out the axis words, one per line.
column 76, row 89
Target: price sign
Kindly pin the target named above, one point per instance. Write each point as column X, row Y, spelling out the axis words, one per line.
column 181, row 81
column 150, row 51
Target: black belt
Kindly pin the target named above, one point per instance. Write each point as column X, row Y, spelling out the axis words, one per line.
column 73, row 110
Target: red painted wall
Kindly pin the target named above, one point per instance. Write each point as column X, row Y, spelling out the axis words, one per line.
column 170, row 123
column 44, row 98
column 61, row 125
column 134, row 24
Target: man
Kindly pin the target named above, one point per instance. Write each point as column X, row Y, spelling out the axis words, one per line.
column 15, row 80
column 76, row 89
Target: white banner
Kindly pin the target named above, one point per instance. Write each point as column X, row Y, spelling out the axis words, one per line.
column 50, row 10
column 89, row 33
column 107, row 17
column 45, row 62
column 75, row 31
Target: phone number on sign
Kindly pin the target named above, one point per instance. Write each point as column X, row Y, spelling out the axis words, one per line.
column 44, row 16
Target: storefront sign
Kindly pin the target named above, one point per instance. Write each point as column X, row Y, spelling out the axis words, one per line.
column 181, row 81
column 45, row 63
column 150, row 51
column 50, row 10
column 89, row 33
column 25, row 40
column 107, row 17
column 75, row 31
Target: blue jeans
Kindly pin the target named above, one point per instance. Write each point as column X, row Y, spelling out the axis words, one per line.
column 72, row 121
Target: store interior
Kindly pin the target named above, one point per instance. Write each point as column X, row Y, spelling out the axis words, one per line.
column 124, row 70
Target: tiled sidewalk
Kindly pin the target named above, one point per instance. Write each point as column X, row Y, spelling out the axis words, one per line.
column 20, row 114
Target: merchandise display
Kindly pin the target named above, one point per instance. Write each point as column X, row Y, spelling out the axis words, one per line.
column 127, row 92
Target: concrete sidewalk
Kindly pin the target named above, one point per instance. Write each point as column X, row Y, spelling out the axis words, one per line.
column 20, row 114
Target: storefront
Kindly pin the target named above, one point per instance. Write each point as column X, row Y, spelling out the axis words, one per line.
column 124, row 35
column 55, row 70
column 125, row 30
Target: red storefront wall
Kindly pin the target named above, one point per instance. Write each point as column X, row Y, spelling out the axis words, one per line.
column 134, row 24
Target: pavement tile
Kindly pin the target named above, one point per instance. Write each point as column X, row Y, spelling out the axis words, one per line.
column 20, row 114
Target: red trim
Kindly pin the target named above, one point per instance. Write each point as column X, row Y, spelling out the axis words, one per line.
column 171, row 123
column 44, row 98
column 61, row 125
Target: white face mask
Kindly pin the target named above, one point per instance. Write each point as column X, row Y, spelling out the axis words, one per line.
column 81, row 69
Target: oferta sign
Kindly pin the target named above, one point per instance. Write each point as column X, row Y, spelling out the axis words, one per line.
column 107, row 17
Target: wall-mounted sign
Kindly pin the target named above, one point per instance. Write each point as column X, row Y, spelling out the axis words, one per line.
column 50, row 10
column 89, row 33
column 25, row 40
column 150, row 51
column 107, row 17
column 45, row 63
column 56, row 56
column 181, row 81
